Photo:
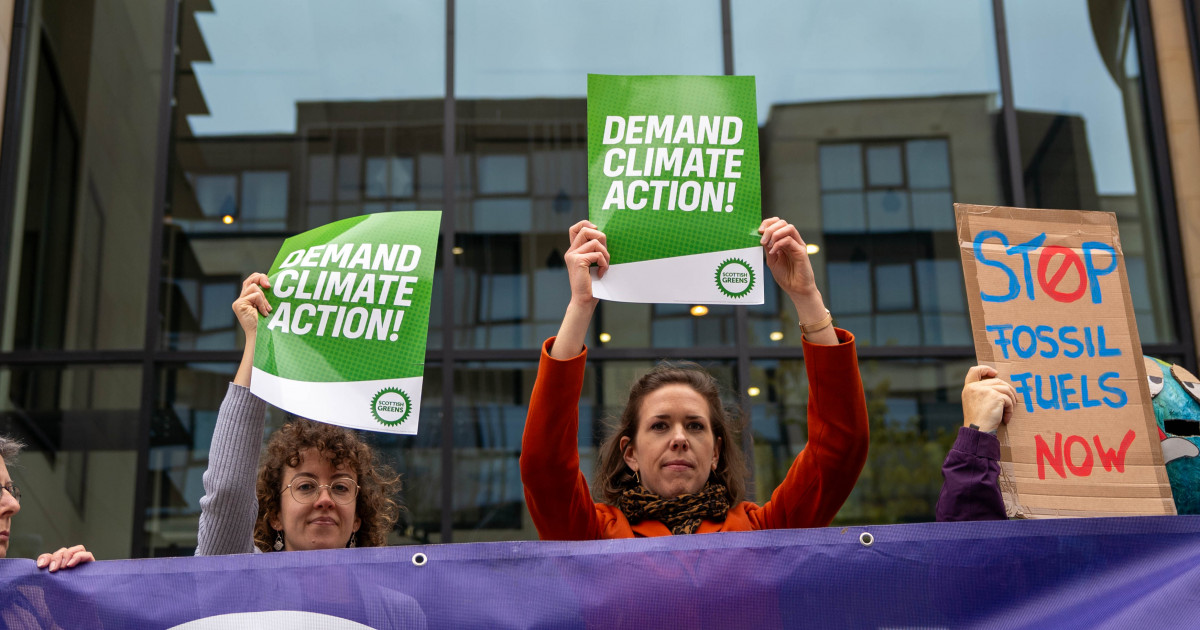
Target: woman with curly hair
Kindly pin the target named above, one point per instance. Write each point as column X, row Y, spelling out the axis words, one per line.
column 673, row 465
column 319, row 486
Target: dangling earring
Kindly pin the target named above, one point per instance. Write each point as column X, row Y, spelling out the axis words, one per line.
column 638, row 477
column 278, row 541
column 353, row 542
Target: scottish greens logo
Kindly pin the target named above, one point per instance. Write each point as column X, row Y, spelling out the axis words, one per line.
column 391, row 406
column 735, row 278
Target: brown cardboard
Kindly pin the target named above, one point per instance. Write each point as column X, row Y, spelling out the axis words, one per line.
column 1029, row 473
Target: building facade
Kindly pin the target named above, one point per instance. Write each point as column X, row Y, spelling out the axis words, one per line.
column 154, row 154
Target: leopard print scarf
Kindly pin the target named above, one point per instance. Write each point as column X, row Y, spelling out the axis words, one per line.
column 682, row 515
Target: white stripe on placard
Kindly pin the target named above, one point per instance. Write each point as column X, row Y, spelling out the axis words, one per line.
column 678, row 280
column 347, row 404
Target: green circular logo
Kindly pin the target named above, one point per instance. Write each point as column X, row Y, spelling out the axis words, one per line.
column 391, row 406
column 735, row 278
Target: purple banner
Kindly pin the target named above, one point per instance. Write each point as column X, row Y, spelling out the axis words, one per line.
column 1113, row 572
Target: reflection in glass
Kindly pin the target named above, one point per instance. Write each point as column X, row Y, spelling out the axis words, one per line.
column 522, row 178
column 1083, row 141
column 491, row 403
column 79, row 469
column 288, row 120
column 915, row 411
column 870, row 132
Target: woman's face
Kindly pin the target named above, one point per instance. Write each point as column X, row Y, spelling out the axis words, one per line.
column 324, row 523
column 673, row 451
column 8, row 508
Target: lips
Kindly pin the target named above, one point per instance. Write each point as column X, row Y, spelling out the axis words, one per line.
column 678, row 464
column 323, row 520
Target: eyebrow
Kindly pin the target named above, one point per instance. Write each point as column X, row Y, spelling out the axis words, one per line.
column 336, row 475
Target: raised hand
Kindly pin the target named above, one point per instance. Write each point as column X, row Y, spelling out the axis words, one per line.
column 247, row 307
column 252, row 302
column 787, row 257
column 987, row 401
column 588, row 246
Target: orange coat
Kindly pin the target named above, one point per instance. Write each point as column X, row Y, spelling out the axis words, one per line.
column 814, row 490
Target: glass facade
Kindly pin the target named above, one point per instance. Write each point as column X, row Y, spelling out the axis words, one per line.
column 160, row 154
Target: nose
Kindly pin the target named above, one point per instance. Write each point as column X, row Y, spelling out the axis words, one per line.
column 679, row 439
column 324, row 497
column 8, row 504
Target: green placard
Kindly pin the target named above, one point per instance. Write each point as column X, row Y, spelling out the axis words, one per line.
column 350, row 315
column 674, row 172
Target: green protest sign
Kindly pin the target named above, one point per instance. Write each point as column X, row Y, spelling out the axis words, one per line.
column 345, row 340
column 673, row 182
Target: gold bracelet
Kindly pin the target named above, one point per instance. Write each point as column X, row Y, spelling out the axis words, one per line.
column 822, row 324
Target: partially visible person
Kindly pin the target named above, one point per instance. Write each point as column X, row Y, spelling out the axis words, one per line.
column 320, row 486
column 673, row 465
column 971, row 491
column 10, row 504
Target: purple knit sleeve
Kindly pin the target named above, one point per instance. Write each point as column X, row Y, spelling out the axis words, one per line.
column 971, row 491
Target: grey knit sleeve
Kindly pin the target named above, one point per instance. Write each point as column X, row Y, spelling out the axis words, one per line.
column 229, row 506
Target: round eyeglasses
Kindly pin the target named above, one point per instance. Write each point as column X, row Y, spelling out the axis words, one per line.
column 342, row 491
column 13, row 490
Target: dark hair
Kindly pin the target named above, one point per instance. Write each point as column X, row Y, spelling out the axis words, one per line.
column 613, row 475
column 377, row 482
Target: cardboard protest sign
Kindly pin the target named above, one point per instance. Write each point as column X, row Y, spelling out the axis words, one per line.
column 1050, row 310
column 673, row 183
column 345, row 341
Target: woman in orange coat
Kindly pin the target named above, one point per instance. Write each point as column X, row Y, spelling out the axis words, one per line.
column 672, row 466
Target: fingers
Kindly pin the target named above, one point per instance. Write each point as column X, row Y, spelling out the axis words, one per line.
column 64, row 558
column 586, row 235
column 980, row 372
column 256, row 278
column 575, row 229
column 80, row 557
column 253, row 295
column 988, row 402
column 588, row 244
column 780, row 236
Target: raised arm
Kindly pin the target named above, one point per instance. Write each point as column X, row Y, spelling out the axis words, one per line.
column 971, row 491
column 229, row 506
column 823, row 474
column 588, row 246
column 787, row 257
column 555, row 490
column 247, row 307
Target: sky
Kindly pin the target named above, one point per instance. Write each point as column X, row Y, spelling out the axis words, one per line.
column 269, row 54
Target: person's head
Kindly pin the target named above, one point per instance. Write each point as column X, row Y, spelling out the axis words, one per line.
column 9, row 505
column 320, row 484
column 674, row 435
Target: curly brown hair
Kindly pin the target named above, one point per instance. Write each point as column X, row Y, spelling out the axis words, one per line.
column 377, row 482
column 613, row 475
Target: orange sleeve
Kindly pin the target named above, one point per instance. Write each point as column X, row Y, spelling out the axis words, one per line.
column 555, row 490
column 825, row 472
